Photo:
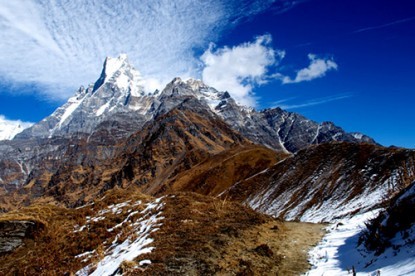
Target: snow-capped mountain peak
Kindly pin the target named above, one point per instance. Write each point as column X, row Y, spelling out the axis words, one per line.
column 195, row 88
column 120, row 73
column 196, row 84
column 112, row 65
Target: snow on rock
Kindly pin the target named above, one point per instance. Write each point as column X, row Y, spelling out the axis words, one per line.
column 103, row 108
column 132, row 247
column 209, row 95
column 123, row 75
column 72, row 104
column 358, row 136
column 112, row 65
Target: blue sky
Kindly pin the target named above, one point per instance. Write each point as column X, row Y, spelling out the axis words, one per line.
column 346, row 61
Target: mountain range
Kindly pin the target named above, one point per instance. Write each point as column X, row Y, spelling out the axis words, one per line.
column 187, row 145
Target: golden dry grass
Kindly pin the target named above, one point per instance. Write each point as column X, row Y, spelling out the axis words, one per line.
column 219, row 172
column 53, row 249
column 199, row 235
column 207, row 236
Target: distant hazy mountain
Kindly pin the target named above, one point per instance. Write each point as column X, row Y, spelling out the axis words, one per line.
column 9, row 129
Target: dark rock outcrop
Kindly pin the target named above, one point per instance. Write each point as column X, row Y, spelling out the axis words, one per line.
column 14, row 232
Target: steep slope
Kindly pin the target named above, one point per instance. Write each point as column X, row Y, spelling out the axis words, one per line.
column 115, row 141
column 48, row 144
column 282, row 130
column 216, row 174
column 394, row 228
column 328, row 181
column 101, row 117
column 377, row 242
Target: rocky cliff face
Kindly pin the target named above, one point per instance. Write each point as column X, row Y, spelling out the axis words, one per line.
column 117, row 97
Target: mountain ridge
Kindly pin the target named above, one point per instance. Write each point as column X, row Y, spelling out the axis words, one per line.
column 120, row 91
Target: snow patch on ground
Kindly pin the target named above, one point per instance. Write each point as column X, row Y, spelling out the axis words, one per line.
column 339, row 243
column 135, row 245
column 335, row 208
column 339, row 252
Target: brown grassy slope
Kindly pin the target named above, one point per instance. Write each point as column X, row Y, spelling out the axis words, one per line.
column 175, row 143
column 53, row 249
column 219, row 172
column 199, row 235
column 206, row 236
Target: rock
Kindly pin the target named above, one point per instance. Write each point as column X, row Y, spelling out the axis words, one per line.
column 264, row 250
column 12, row 234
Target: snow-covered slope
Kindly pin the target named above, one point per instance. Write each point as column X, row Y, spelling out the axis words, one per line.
column 379, row 242
column 327, row 182
column 9, row 128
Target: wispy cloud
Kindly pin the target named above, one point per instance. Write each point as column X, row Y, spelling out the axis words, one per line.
column 240, row 68
column 318, row 68
column 312, row 102
column 396, row 22
column 61, row 44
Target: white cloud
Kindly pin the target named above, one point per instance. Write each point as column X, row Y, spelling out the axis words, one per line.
column 60, row 44
column 312, row 102
column 396, row 22
column 240, row 68
column 9, row 128
column 318, row 68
